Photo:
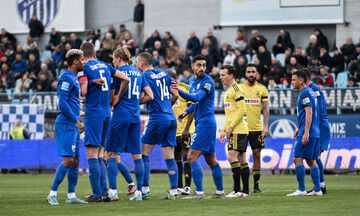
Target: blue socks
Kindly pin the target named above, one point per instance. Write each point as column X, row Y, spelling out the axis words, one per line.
column 125, row 172
column 197, row 174
column 300, row 175
column 139, row 173
column 217, row 176
column 61, row 171
column 94, row 175
column 172, row 173
column 112, row 172
column 146, row 181
column 103, row 178
column 314, row 172
column 321, row 170
column 72, row 175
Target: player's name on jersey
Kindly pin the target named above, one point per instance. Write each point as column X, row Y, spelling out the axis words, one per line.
column 97, row 66
column 131, row 73
column 157, row 76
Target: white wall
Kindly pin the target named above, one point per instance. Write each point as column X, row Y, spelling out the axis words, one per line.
column 352, row 14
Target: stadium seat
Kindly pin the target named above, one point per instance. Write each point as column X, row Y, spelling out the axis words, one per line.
column 253, row 57
column 248, row 57
column 341, row 80
column 281, row 58
column 133, row 58
column 333, row 75
column 45, row 54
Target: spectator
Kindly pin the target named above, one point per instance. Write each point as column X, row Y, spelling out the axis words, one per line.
column 29, row 41
column 264, row 57
column 354, row 69
column 186, row 76
column 75, row 42
column 120, row 36
column 7, row 34
column 162, row 64
column 223, row 51
column 67, row 48
column 129, row 43
column 300, row 57
column 212, row 38
column 293, row 64
column 94, row 40
column 193, row 45
column 109, row 40
column 43, row 83
column 156, row 58
column 283, row 42
column 34, row 65
column 256, row 41
column 357, row 52
column 20, row 50
column 36, row 28
column 321, row 39
column 150, row 42
column 158, row 46
column 139, row 23
column 325, row 58
column 337, row 62
column 348, row 50
column 230, row 57
column 313, row 49
column 54, row 40
column 105, row 54
column 272, row 84
column 241, row 41
column 58, row 55
column 172, row 51
column 18, row 131
column 166, row 38
column 45, row 70
column 180, row 66
column 19, row 66
column 325, row 79
column 53, row 86
column 23, row 84
column 315, row 65
column 185, row 57
column 4, row 71
column 240, row 65
column 112, row 31
column 215, row 75
column 351, row 83
column 209, row 60
column 275, row 70
column 259, row 68
column 286, row 84
column 10, row 55
column 212, row 53
column 6, row 44
column 63, row 41
column 51, row 66
column 32, row 50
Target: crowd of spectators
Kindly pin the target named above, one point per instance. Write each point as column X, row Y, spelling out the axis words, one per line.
column 23, row 67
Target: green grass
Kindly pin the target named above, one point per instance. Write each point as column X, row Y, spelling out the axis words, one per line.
column 26, row 195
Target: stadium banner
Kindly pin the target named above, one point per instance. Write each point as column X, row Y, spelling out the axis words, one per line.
column 63, row 15
column 32, row 117
column 280, row 12
column 343, row 98
column 343, row 153
column 283, row 126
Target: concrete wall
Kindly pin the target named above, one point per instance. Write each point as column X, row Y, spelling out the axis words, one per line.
column 352, row 14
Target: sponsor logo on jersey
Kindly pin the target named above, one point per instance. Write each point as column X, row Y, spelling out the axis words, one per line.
column 227, row 105
column 252, row 101
column 65, row 86
column 306, row 100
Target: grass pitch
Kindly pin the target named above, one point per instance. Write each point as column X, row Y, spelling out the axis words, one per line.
column 26, row 195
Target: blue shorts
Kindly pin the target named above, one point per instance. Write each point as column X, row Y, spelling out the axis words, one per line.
column 309, row 151
column 96, row 130
column 324, row 135
column 67, row 140
column 204, row 139
column 161, row 131
column 124, row 136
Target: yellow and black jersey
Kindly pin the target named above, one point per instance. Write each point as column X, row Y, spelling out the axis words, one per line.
column 254, row 97
column 235, row 109
column 179, row 107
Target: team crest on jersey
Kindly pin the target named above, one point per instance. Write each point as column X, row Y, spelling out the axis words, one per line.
column 317, row 93
column 227, row 105
column 250, row 93
column 306, row 100
column 258, row 93
column 65, row 86
column 207, row 86
column 176, row 104
column 46, row 11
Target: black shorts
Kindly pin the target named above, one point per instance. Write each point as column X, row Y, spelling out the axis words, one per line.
column 256, row 140
column 238, row 142
column 182, row 145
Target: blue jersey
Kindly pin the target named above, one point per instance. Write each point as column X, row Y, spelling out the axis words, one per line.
column 307, row 98
column 128, row 106
column 68, row 91
column 321, row 102
column 204, row 109
column 160, row 81
column 97, row 101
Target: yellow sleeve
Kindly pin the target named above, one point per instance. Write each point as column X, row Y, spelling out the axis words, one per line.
column 226, row 125
column 240, row 109
column 264, row 95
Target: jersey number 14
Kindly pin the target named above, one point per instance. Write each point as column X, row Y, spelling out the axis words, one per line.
column 164, row 89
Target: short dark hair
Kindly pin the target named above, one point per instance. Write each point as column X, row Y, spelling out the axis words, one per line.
column 230, row 69
column 198, row 58
column 250, row 65
column 300, row 74
column 146, row 57
column 88, row 49
column 307, row 73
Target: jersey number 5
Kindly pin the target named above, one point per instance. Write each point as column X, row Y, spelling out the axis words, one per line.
column 104, row 87
column 164, row 89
